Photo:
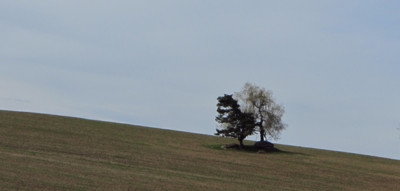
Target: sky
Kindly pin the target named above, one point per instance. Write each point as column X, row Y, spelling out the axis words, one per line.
column 333, row 65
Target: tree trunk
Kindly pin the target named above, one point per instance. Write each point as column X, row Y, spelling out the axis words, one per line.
column 241, row 144
column 262, row 132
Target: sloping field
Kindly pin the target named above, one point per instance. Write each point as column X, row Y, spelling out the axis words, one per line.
column 44, row 152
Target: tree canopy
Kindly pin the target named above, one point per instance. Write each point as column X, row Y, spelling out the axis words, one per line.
column 267, row 114
column 233, row 122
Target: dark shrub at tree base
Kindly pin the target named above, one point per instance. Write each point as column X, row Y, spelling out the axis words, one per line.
column 264, row 145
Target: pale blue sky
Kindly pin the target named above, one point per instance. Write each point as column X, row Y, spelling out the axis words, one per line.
column 332, row 64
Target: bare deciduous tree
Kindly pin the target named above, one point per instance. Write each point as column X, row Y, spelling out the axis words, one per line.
column 268, row 114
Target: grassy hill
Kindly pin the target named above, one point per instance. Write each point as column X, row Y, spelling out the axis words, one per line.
column 45, row 152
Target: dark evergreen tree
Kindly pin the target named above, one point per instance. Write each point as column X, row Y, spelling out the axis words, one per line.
column 234, row 123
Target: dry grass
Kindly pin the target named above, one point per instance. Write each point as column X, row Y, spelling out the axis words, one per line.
column 43, row 152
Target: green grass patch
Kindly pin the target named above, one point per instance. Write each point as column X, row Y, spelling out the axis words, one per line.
column 213, row 146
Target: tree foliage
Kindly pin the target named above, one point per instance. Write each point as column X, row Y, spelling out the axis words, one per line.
column 267, row 114
column 234, row 123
